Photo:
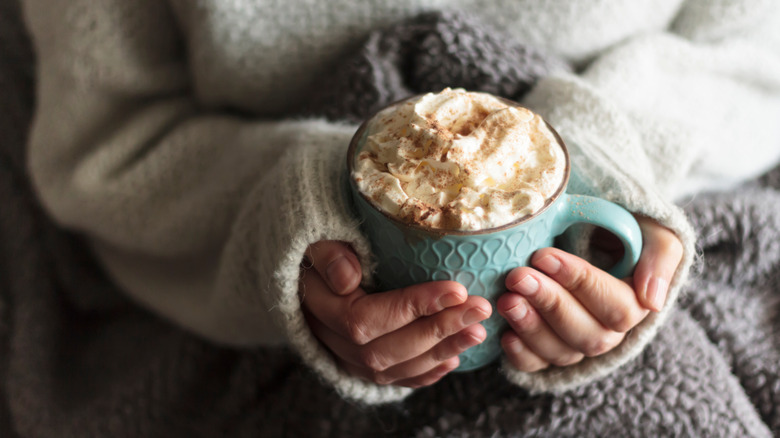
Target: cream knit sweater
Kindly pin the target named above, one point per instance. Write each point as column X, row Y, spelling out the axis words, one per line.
column 158, row 137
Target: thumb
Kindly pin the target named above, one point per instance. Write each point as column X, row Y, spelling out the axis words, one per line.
column 661, row 254
column 337, row 264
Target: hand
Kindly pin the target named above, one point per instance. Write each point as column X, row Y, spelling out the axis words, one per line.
column 407, row 337
column 567, row 309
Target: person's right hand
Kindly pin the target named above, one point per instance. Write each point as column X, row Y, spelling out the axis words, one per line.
column 407, row 337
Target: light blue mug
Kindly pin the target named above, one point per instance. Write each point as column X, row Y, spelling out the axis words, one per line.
column 480, row 260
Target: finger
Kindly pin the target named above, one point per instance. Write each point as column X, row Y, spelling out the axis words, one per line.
column 661, row 255
column 444, row 350
column 361, row 318
column 519, row 356
column 538, row 336
column 431, row 376
column 428, row 378
column 428, row 361
column 411, row 340
column 337, row 264
column 612, row 302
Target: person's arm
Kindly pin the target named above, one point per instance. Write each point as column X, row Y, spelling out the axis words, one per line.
column 198, row 213
column 659, row 117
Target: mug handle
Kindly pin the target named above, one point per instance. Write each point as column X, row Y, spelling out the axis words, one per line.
column 596, row 211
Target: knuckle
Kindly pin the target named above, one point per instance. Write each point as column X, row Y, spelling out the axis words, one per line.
column 437, row 330
column 410, row 304
column 619, row 320
column 357, row 327
column 371, row 359
column 596, row 347
column 603, row 344
column 583, row 279
column 549, row 303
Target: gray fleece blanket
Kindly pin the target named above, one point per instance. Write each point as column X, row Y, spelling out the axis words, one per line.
column 79, row 360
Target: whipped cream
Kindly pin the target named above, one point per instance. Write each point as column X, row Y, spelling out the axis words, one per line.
column 459, row 160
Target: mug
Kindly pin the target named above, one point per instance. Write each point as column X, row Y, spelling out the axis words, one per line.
column 480, row 259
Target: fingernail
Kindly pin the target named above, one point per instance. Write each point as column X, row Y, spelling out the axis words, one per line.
column 449, row 300
column 340, row 273
column 474, row 315
column 518, row 312
column 548, row 264
column 468, row 341
column 527, row 286
column 657, row 288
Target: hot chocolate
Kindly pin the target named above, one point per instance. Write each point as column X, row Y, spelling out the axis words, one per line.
column 459, row 160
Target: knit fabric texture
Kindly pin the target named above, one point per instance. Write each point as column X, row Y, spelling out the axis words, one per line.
column 169, row 134
column 78, row 359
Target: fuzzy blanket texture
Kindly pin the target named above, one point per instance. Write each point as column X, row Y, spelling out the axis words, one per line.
column 77, row 359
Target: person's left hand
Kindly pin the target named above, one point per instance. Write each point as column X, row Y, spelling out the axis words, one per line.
column 566, row 309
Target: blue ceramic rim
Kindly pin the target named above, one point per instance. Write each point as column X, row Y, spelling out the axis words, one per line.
column 352, row 152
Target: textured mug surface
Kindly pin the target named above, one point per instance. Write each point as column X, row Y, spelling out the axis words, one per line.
column 480, row 260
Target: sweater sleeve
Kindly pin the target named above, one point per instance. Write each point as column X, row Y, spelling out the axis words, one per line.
column 200, row 214
column 661, row 117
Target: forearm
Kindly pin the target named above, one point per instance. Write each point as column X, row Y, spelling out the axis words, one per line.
column 199, row 214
